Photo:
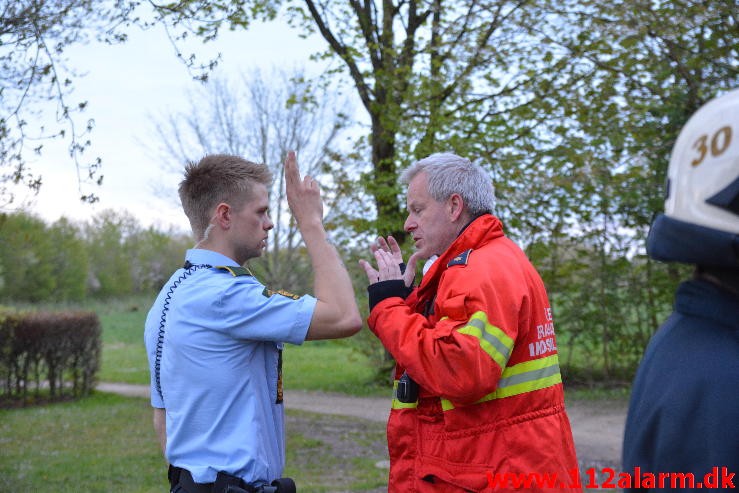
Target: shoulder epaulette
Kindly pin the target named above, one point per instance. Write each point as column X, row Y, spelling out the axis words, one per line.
column 460, row 259
column 268, row 292
column 235, row 271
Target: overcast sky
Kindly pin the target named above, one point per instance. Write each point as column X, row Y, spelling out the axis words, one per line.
column 125, row 85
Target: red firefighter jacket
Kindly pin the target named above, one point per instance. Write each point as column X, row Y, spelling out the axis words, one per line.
column 477, row 336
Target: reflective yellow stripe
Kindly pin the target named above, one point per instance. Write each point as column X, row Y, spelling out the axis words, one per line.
column 492, row 340
column 521, row 378
column 401, row 405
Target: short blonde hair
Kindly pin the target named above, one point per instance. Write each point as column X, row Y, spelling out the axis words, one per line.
column 214, row 179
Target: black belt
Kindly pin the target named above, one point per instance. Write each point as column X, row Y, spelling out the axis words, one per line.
column 183, row 477
column 225, row 483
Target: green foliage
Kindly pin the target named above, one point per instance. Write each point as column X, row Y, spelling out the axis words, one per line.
column 629, row 79
column 25, row 251
column 110, row 256
column 152, row 257
column 633, row 77
column 70, row 261
column 109, row 251
column 606, row 306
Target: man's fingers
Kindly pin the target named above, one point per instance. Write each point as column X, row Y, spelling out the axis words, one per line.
column 388, row 257
column 387, row 265
column 410, row 269
column 394, row 247
column 372, row 274
column 310, row 183
column 292, row 174
column 381, row 243
column 381, row 264
column 413, row 261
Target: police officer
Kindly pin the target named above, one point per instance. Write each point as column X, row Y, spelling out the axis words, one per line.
column 214, row 335
column 684, row 412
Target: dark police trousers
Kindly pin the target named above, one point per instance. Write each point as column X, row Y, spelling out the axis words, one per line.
column 181, row 481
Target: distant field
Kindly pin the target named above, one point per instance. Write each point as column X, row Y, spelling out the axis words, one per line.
column 331, row 366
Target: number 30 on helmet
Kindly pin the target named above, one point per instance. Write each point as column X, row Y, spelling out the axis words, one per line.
column 700, row 224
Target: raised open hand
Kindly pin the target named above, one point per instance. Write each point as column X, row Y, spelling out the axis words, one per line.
column 388, row 258
column 303, row 196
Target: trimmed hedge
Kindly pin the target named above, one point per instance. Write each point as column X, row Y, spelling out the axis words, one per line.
column 55, row 351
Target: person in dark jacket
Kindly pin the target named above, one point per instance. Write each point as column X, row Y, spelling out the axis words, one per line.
column 683, row 418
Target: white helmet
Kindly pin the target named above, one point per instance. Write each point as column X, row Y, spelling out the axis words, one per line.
column 705, row 160
column 702, row 206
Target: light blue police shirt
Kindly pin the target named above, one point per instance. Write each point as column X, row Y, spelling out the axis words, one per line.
column 219, row 369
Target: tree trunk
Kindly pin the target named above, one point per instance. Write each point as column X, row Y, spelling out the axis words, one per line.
column 385, row 188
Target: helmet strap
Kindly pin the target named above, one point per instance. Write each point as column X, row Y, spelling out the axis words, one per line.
column 727, row 279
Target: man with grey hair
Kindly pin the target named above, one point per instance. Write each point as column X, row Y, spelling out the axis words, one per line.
column 478, row 394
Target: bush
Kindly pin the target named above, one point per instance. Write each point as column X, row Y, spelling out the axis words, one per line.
column 60, row 351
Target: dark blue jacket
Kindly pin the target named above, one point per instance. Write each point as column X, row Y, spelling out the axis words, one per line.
column 684, row 410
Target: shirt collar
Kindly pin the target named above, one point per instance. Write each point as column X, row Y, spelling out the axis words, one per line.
column 199, row 256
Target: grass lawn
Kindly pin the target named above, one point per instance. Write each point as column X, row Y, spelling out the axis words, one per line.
column 106, row 443
column 124, row 356
column 331, row 366
column 98, row 444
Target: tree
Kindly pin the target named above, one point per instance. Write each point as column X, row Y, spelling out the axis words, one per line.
column 40, row 262
column 573, row 106
column 635, row 72
column 107, row 238
column 417, row 66
column 153, row 255
column 261, row 118
column 110, row 256
column 27, row 273
column 69, row 258
column 34, row 36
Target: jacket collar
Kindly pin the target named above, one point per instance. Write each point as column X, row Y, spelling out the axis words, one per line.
column 479, row 232
column 703, row 299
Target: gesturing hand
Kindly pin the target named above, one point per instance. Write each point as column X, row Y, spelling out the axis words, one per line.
column 303, row 196
column 389, row 257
